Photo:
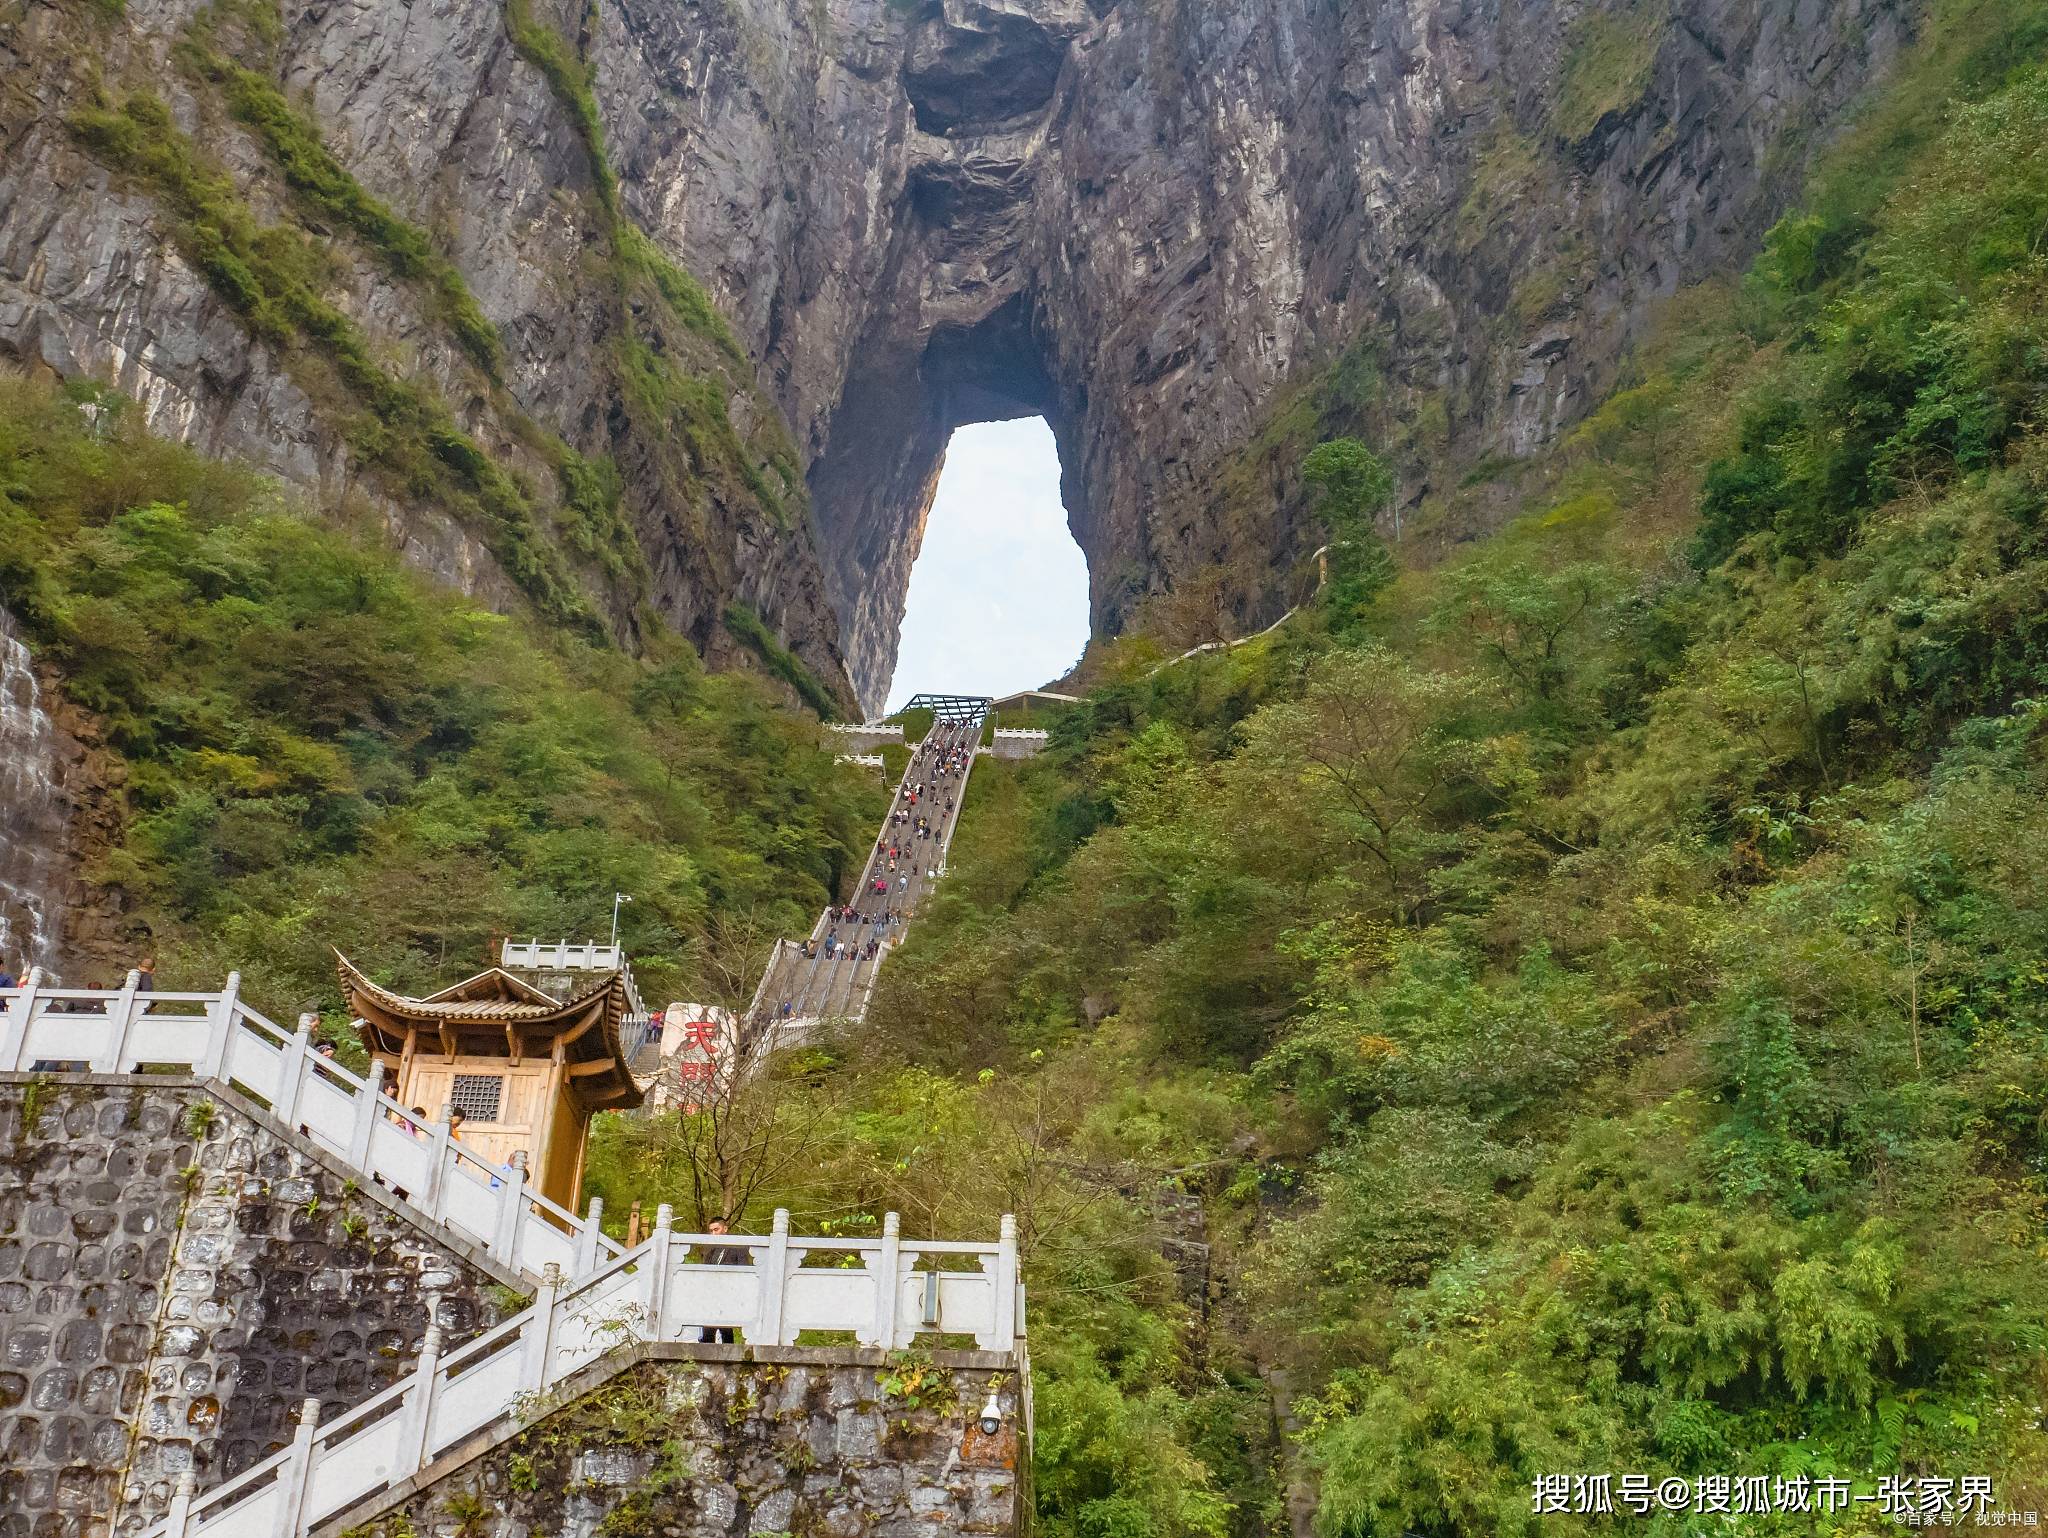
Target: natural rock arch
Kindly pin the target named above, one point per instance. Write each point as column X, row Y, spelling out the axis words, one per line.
column 1157, row 224
column 1160, row 223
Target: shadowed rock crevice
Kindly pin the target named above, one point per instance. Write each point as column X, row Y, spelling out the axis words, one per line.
column 981, row 63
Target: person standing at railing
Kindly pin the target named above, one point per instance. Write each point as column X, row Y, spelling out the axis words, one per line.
column 7, row 978
column 505, row 1170
column 145, row 975
column 721, row 1255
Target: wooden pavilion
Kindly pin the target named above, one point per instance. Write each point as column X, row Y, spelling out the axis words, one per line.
column 526, row 1068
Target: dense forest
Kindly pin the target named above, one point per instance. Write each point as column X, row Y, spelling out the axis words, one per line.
column 1578, row 1006
column 318, row 749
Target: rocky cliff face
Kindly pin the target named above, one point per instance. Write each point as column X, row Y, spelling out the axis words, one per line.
column 1193, row 235
column 60, row 813
column 1175, row 228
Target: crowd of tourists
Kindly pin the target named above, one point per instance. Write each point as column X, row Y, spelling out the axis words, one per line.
column 900, row 871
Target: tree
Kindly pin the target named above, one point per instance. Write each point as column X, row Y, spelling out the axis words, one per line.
column 1352, row 484
column 1370, row 742
column 1530, row 623
column 728, row 959
column 757, row 1123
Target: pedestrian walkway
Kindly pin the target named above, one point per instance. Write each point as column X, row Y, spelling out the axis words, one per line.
column 595, row 1302
column 887, row 1293
column 218, row 1039
column 830, row 974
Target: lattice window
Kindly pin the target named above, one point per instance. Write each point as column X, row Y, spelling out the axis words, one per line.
column 478, row 1096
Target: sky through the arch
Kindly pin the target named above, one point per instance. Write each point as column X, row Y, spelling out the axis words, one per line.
column 999, row 596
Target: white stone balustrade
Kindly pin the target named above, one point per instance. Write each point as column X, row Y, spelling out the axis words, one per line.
column 572, row 956
column 883, row 1292
column 561, row 955
column 215, row 1036
column 864, row 737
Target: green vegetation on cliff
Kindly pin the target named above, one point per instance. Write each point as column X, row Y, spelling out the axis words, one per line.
column 433, row 431
column 1591, row 999
column 312, row 171
column 681, row 387
column 276, row 279
column 1607, row 64
column 319, row 748
column 747, row 626
column 1582, row 1009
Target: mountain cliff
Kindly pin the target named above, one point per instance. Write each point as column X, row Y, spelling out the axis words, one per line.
column 667, row 308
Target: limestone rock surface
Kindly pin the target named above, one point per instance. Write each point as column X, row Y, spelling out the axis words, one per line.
column 1163, row 224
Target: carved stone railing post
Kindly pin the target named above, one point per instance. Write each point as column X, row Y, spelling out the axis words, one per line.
column 223, row 1021
column 120, row 1021
column 181, row 1507
column 297, row 1475
column 660, row 1244
column 511, row 1201
column 368, row 1108
column 537, row 1343
column 418, row 1408
column 21, row 1009
column 1006, row 1284
column 439, row 1157
column 587, row 1239
column 888, row 1265
column 775, row 1280
column 292, row 1069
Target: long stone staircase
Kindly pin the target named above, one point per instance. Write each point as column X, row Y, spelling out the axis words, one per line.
column 831, row 974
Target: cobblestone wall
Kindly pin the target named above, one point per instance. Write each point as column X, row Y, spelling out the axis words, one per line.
column 698, row 1448
column 175, row 1277
column 1017, row 744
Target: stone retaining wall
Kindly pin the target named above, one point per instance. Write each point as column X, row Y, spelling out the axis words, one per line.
column 176, row 1275
column 1017, row 742
column 719, row 1442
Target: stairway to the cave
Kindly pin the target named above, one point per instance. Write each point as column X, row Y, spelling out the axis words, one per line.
column 819, row 987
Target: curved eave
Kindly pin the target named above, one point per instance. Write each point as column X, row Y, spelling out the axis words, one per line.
column 521, row 1021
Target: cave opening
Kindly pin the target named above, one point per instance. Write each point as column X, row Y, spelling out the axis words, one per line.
column 998, row 595
column 955, row 438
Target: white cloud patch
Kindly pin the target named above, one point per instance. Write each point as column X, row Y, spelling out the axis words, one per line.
column 999, row 596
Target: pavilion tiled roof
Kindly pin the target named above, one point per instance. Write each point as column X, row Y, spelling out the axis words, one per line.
column 496, row 998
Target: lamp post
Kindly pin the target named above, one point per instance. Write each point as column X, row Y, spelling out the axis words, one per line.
column 618, row 899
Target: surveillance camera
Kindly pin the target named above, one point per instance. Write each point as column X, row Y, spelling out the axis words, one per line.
column 992, row 1414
